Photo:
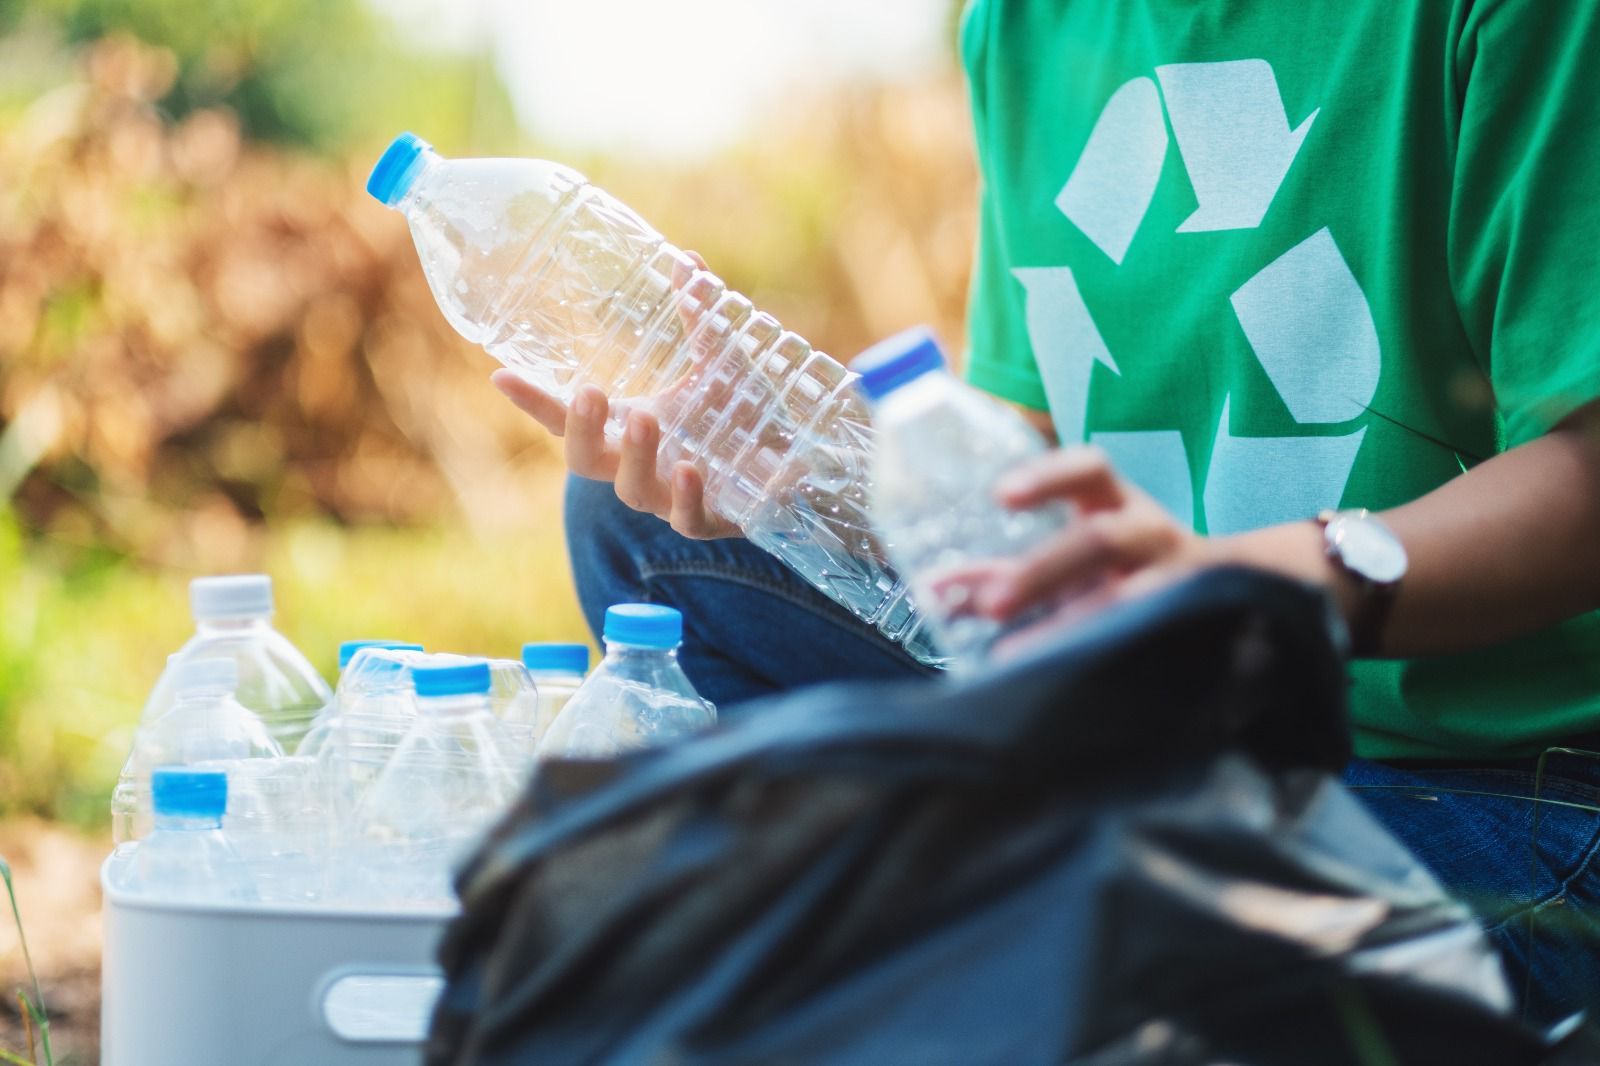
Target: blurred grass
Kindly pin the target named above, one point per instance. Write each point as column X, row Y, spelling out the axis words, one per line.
column 83, row 634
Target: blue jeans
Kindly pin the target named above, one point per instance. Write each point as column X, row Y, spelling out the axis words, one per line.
column 753, row 628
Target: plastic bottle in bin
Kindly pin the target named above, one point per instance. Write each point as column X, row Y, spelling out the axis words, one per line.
column 187, row 858
column 942, row 446
column 204, row 724
column 366, row 684
column 564, row 284
column 638, row 697
column 558, row 670
column 454, row 771
column 233, row 620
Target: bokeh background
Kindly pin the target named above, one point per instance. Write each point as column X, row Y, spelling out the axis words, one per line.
column 217, row 354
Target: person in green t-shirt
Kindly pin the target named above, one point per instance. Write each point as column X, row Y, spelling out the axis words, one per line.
column 1263, row 269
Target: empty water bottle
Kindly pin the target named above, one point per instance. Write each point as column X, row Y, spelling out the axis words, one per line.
column 638, row 697
column 233, row 621
column 942, row 446
column 558, row 671
column 453, row 773
column 349, row 648
column 278, row 824
column 204, row 724
column 371, row 713
column 187, row 858
column 355, row 679
column 564, row 284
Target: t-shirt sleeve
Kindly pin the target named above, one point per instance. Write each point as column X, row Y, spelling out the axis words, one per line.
column 999, row 355
column 1524, row 244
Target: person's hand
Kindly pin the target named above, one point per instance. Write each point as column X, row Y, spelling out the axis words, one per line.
column 631, row 464
column 1120, row 543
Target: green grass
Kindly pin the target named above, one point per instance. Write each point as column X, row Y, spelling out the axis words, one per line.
column 83, row 635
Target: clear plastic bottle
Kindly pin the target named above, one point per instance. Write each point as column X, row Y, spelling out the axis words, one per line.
column 558, row 670
column 351, row 691
column 277, row 823
column 233, row 619
column 638, row 697
column 372, row 711
column 204, row 725
column 942, row 447
column 451, row 776
column 564, row 284
column 187, row 858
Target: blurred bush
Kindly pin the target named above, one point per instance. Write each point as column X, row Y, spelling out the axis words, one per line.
column 219, row 354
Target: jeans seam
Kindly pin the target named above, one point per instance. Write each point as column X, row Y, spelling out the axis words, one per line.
column 756, row 580
column 1560, row 890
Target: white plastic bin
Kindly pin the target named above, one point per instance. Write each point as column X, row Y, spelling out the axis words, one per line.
column 260, row 985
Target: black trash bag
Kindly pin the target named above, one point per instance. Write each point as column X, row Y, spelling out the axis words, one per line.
column 1128, row 848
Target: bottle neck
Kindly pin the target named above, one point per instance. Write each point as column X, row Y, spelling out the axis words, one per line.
column 619, row 652
column 411, row 197
column 236, row 626
column 187, row 823
column 453, row 706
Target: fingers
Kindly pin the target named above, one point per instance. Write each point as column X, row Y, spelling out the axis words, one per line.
column 1082, row 475
column 1085, row 552
column 681, row 270
column 688, row 513
column 588, row 454
column 544, row 408
column 637, row 483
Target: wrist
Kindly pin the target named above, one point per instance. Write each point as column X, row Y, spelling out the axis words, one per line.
column 1296, row 550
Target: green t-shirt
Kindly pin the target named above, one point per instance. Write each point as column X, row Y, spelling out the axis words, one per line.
column 1278, row 257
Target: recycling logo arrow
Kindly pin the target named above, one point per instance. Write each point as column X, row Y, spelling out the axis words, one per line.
column 1304, row 314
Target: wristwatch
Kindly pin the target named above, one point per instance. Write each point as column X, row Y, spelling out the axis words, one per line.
column 1367, row 550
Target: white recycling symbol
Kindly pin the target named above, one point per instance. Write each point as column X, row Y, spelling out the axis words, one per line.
column 1304, row 314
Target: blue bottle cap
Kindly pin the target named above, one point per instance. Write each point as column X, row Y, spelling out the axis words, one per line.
column 891, row 363
column 567, row 658
column 469, row 678
column 644, row 625
column 397, row 168
column 348, row 649
column 190, row 793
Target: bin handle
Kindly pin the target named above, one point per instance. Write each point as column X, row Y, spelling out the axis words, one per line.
column 378, row 1004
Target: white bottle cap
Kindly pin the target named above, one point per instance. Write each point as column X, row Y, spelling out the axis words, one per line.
column 232, row 596
column 206, row 675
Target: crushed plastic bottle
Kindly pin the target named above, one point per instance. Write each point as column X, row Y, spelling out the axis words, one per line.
column 452, row 774
column 188, row 858
column 233, row 618
column 371, row 713
column 638, row 697
column 942, row 447
column 564, row 284
column 351, row 694
column 558, row 670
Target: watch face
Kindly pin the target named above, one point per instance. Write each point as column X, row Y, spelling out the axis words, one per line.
column 1367, row 546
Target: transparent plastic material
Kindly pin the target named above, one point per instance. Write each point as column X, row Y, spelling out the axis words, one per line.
column 186, row 859
column 205, row 725
column 556, row 689
column 454, row 771
column 636, row 698
column 278, row 826
column 564, row 284
column 942, row 447
column 375, row 683
column 514, row 699
column 372, row 712
column 275, row 681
